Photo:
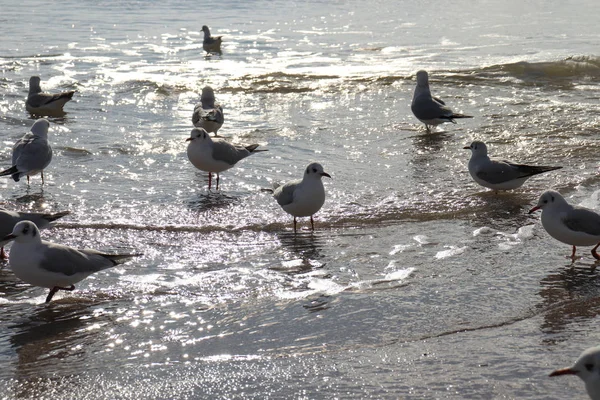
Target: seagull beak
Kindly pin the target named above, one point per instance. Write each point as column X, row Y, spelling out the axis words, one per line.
column 9, row 237
column 467, row 147
column 564, row 371
column 189, row 139
column 325, row 174
column 534, row 209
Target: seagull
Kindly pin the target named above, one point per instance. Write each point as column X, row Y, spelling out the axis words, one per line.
column 8, row 219
column 303, row 198
column 215, row 155
column 569, row 224
column 499, row 174
column 32, row 153
column 45, row 103
column 587, row 367
column 208, row 115
column 428, row 109
column 54, row 266
column 211, row 44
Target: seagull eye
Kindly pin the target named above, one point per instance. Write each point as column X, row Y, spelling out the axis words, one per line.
column 589, row 367
column 315, row 170
column 25, row 230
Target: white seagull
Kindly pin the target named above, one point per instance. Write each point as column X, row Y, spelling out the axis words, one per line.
column 428, row 109
column 587, row 367
column 8, row 219
column 215, row 155
column 499, row 174
column 211, row 44
column 207, row 114
column 303, row 198
column 569, row 224
column 32, row 153
column 40, row 103
column 54, row 266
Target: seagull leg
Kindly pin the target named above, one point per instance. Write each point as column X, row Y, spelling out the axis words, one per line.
column 3, row 255
column 56, row 289
column 294, row 224
column 573, row 253
column 42, row 177
column 312, row 224
column 28, row 179
column 427, row 128
column 217, row 181
column 209, row 180
column 596, row 256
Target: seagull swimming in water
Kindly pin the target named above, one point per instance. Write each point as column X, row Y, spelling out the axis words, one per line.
column 208, row 114
column 303, row 198
column 211, row 44
column 215, row 155
column 54, row 266
column 499, row 174
column 428, row 109
column 32, row 153
column 41, row 103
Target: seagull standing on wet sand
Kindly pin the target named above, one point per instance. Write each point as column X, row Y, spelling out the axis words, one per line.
column 215, row 155
column 428, row 109
column 45, row 103
column 569, row 224
column 52, row 265
column 208, row 115
column 303, row 198
column 32, row 153
column 499, row 174
column 211, row 44
column 8, row 219
column 587, row 367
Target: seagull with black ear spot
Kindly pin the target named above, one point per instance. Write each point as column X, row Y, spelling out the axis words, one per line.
column 54, row 266
column 587, row 367
column 305, row 197
column 215, row 155
column 574, row 225
column 499, row 174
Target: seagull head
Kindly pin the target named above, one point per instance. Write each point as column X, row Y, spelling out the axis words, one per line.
column 549, row 199
column 587, row 367
column 422, row 79
column 208, row 97
column 315, row 171
column 24, row 232
column 205, row 30
column 40, row 127
column 34, row 84
column 199, row 134
column 477, row 148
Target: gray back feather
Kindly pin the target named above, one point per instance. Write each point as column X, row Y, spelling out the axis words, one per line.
column 229, row 153
column 284, row 194
column 583, row 220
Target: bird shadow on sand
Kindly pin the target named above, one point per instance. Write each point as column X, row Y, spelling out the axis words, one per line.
column 210, row 201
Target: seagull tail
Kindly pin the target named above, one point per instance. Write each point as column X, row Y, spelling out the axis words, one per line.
column 11, row 171
column 120, row 258
column 461, row 116
column 54, row 217
column 541, row 169
column 252, row 148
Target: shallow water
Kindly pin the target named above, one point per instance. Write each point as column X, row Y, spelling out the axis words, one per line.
column 417, row 283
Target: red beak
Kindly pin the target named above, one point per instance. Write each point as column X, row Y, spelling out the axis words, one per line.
column 189, row 139
column 564, row 371
column 534, row 209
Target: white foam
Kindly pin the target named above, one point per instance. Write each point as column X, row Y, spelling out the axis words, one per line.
column 452, row 251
